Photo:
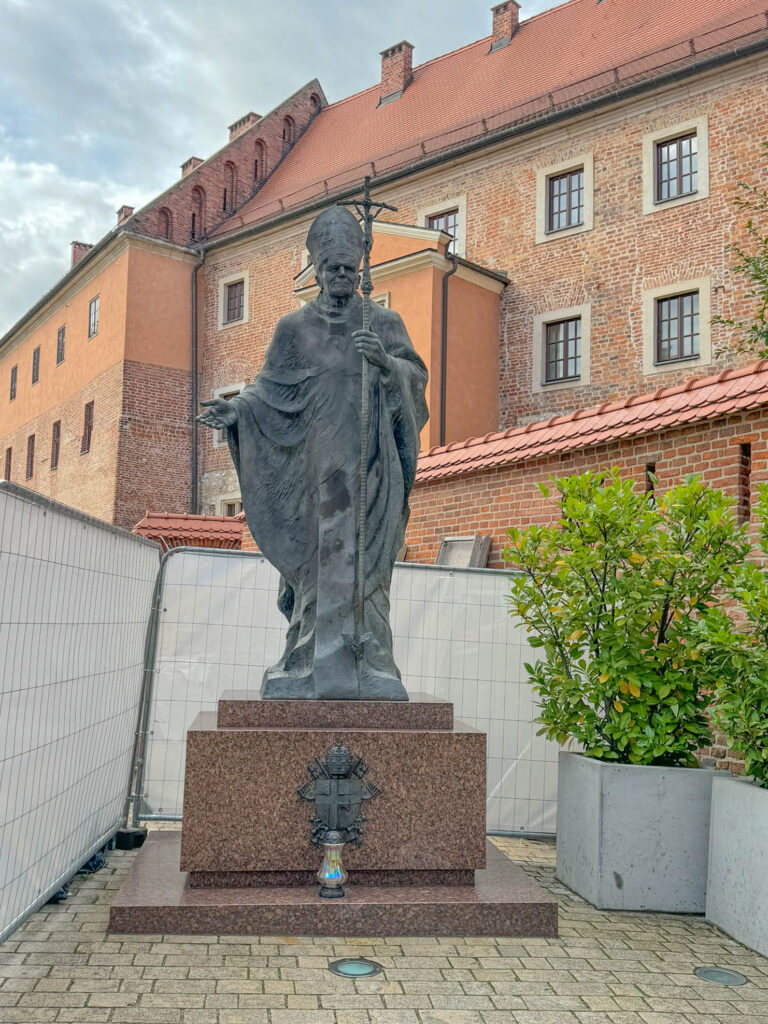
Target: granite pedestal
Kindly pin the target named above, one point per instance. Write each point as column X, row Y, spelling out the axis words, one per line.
column 244, row 863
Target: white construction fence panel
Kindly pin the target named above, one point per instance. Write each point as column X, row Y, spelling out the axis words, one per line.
column 75, row 601
column 219, row 628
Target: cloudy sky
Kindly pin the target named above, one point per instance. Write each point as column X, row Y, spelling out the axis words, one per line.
column 102, row 100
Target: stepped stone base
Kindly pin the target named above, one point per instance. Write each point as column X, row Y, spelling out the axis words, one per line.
column 244, row 864
column 157, row 899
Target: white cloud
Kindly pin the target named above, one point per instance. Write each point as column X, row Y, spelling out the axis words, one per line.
column 41, row 212
column 100, row 102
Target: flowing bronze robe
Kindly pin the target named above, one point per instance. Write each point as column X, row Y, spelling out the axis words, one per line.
column 296, row 448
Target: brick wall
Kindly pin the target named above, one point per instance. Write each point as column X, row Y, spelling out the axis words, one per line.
column 264, row 140
column 625, row 253
column 490, row 502
column 154, row 446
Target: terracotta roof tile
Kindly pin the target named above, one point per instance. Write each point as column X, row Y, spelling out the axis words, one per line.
column 578, row 49
column 703, row 398
column 174, row 530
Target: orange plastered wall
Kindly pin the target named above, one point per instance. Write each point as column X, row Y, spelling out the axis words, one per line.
column 86, row 481
column 85, row 358
column 416, row 297
column 391, row 247
column 472, row 387
column 159, row 318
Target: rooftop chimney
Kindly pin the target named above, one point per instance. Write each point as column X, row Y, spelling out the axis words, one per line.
column 190, row 165
column 79, row 249
column 505, row 21
column 396, row 65
column 123, row 214
column 242, row 124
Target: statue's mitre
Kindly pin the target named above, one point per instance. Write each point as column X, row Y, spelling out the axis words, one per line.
column 335, row 232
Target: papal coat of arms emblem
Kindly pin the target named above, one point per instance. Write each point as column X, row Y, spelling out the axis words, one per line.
column 338, row 789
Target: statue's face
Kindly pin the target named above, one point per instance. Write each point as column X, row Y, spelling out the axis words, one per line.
column 338, row 278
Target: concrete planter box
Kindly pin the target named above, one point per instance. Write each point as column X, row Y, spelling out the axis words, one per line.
column 737, row 890
column 633, row 837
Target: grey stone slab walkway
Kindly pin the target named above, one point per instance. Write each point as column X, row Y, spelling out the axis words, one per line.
column 606, row 968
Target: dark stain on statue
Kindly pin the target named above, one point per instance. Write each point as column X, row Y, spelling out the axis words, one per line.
column 335, row 495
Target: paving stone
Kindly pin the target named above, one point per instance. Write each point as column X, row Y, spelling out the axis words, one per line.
column 213, row 1001
column 448, row 1002
column 452, row 1017
column 149, row 1015
column 604, row 969
column 20, row 1015
column 83, row 1015
column 243, row 1017
column 294, row 1002
column 57, row 999
column 297, row 1017
column 267, row 1000
column 389, row 1016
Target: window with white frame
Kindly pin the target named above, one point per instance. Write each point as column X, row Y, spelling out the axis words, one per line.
column 93, row 317
column 676, row 326
column 562, row 355
column 449, row 216
column 233, row 300
column 676, row 165
column 565, row 198
column 447, row 221
column 230, row 505
column 235, row 295
column 561, row 348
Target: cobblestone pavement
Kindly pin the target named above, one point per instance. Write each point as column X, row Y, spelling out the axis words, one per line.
column 605, row 968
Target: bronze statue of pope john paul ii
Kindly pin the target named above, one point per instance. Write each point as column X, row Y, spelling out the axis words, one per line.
column 295, row 439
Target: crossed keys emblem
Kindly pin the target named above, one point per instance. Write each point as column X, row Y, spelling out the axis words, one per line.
column 337, row 790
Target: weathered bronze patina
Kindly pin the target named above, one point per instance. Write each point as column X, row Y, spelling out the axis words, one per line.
column 295, row 438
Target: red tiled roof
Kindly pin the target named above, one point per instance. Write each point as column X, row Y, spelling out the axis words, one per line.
column 175, row 530
column 699, row 399
column 555, row 59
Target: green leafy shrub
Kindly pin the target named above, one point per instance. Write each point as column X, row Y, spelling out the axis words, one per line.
column 611, row 594
column 740, row 661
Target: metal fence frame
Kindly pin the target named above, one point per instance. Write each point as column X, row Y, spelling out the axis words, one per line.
column 49, row 506
column 508, row 765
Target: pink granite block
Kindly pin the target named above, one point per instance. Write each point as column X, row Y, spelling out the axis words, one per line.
column 156, row 899
column 241, row 710
column 264, row 879
column 242, row 813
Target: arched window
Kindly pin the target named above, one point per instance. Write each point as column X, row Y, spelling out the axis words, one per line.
column 259, row 161
column 289, row 132
column 164, row 224
column 314, row 104
column 198, row 211
column 230, row 185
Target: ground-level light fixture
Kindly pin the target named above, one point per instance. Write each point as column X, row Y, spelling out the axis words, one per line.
column 720, row 976
column 355, row 967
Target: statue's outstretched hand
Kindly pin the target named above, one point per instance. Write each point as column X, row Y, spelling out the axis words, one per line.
column 368, row 344
column 219, row 414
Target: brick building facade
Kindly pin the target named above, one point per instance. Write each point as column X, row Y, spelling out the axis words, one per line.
column 528, row 170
